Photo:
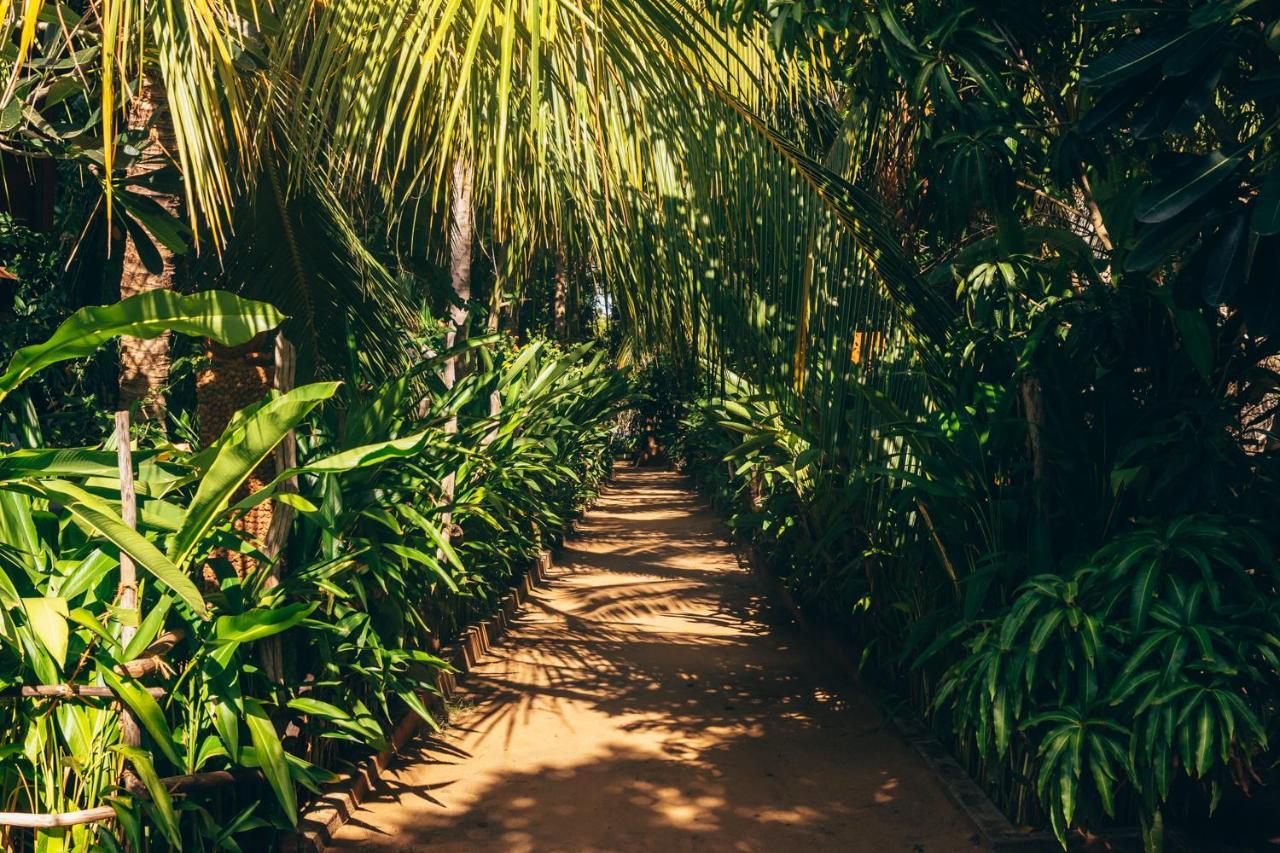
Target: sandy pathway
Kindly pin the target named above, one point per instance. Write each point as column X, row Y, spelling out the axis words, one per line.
column 643, row 705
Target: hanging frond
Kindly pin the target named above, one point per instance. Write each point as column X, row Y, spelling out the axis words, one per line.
column 302, row 249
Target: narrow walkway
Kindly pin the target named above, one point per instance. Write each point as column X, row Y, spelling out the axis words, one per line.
column 642, row 705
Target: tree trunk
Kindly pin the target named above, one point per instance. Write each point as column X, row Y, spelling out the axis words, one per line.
column 144, row 364
column 1033, row 403
column 493, row 325
column 461, row 242
column 574, row 305
column 559, row 318
column 237, row 377
column 513, row 315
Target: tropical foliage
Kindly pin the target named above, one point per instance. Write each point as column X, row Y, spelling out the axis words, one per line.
column 375, row 582
column 964, row 311
column 1040, row 507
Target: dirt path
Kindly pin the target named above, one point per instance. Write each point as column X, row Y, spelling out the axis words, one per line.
column 642, row 704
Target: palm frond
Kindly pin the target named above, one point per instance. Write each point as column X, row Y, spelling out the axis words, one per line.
column 298, row 246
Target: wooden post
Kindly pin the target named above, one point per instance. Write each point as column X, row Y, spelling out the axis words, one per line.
column 128, row 597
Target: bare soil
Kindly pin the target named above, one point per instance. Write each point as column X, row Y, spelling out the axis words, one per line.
column 644, row 702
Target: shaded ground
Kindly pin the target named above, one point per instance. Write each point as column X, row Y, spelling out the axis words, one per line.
column 642, row 704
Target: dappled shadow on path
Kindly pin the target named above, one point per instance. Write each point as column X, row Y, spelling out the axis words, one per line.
column 645, row 703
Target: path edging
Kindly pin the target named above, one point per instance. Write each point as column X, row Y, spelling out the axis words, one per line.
column 327, row 814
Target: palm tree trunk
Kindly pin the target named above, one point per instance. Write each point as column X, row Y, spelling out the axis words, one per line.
column 573, row 304
column 144, row 364
column 461, row 244
column 494, row 324
column 237, row 377
column 559, row 317
column 513, row 315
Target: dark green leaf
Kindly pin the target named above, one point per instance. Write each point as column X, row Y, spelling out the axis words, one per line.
column 1266, row 207
column 1185, row 187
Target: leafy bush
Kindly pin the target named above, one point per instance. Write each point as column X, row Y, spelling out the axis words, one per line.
column 1053, row 532
column 32, row 305
column 1151, row 661
column 375, row 577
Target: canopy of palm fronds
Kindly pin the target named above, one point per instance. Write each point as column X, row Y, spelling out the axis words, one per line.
column 632, row 133
column 706, row 180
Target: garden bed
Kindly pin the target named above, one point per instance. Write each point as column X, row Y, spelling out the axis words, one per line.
column 326, row 815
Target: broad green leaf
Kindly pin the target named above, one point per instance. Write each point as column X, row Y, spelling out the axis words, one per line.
column 526, row 355
column 147, row 710
column 316, row 708
column 270, row 755
column 309, row 775
column 426, row 560
column 148, row 629
column 100, row 516
column 85, row 619
column 159, row 794
column 347, row 460
column 160, row 224
column 1204, row 739
column 1227, row 259
column 1102, row 777
column 295, row 501
column 48, row 619
column 367, row 455
column 226, row 719
column 436, row 536
column 1069, row 777
column 58, row 462
column 1132, row 57
column 18, row 530
column 240, row 450
column 259, row 623
column 91, row 571
column 210, row 748
column 1184, row 188
column 411, row 699
column 142, row 243
column 1043, row 629
column 216, row 314
column 1158, row 242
